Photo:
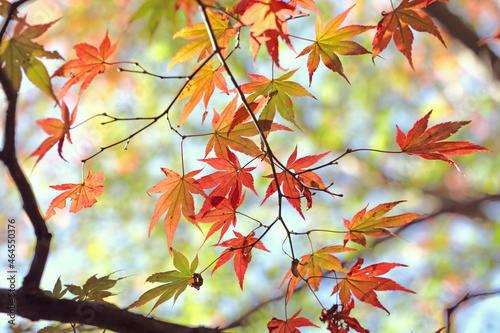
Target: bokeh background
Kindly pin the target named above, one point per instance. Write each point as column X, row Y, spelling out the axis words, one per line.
column 455, row 251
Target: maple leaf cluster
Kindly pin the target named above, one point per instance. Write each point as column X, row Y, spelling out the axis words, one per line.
column 248, row 119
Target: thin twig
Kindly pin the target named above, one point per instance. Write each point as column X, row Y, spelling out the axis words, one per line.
column 465, row 298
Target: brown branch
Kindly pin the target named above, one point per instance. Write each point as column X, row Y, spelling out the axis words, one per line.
column 466, row 208
column 465, row 298
column 12, row 10
column 456, row 28
column 243, row 318
column 101, row 314
column 29, row 301
column 8, row 156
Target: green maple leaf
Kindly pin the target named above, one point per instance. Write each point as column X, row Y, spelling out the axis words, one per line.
column 279, row 91
column 21, row 52
column 333, row 40
column 175, row 282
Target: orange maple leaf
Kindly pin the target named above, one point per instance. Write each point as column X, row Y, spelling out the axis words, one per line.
column 235, row 137
column 268, row 22
column 363, row 283
column 309, row 267
column 306, row 4
column 222, row 213
column 288, row 326
column 203, row 83
column 91, row 61
column 240, row 249
column 202, row 45
column 372, row 223
column 57, row 130
column 190, row 7
column 292, row 188
column 397, row 24
column 176, row 199
column 333, row 40
column 429, row 144
column 82, row 195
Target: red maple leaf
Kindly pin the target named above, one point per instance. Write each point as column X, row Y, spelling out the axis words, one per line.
column 372, row 223
column 363, row 283
column 288, row 326
column 333, row 40
column 340, row 321
column 397, row 24
column 429, row 144
column 240, row 248
column 222, row 214
column 57, row 130
column 91, row 61
column 293, row 189
column 268, row 22
column 82, row 195
column 230, row 179
column 177, row 198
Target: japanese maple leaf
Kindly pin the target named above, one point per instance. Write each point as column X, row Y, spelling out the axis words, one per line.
column 279, row 91
column 340, row 321
column 202, row 46
column 429, row 144
column 397, row 24
column 363, row 283
column 235, row 138
column 331, row 41
column 203, row 83
column 310, row 267
column 190, row 7
column 22, row 52
column 230, row 179
column 372, row 223
column 268, row 22
column 82, row 195
column 293, row 189
column 177, row 198
column 58, row 130
column 288, row 326
column 306, row 4
column 240, row 249
column 175, row 282
column 91, row 61
column 222, row 213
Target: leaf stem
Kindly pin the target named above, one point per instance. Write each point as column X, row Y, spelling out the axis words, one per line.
column 302, row 38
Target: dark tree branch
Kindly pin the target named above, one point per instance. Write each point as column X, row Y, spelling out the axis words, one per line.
column 29, row 301
column 465, row 298
column 32, row 279
column 101, row 314
column 12, row 10
column 456, row 28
